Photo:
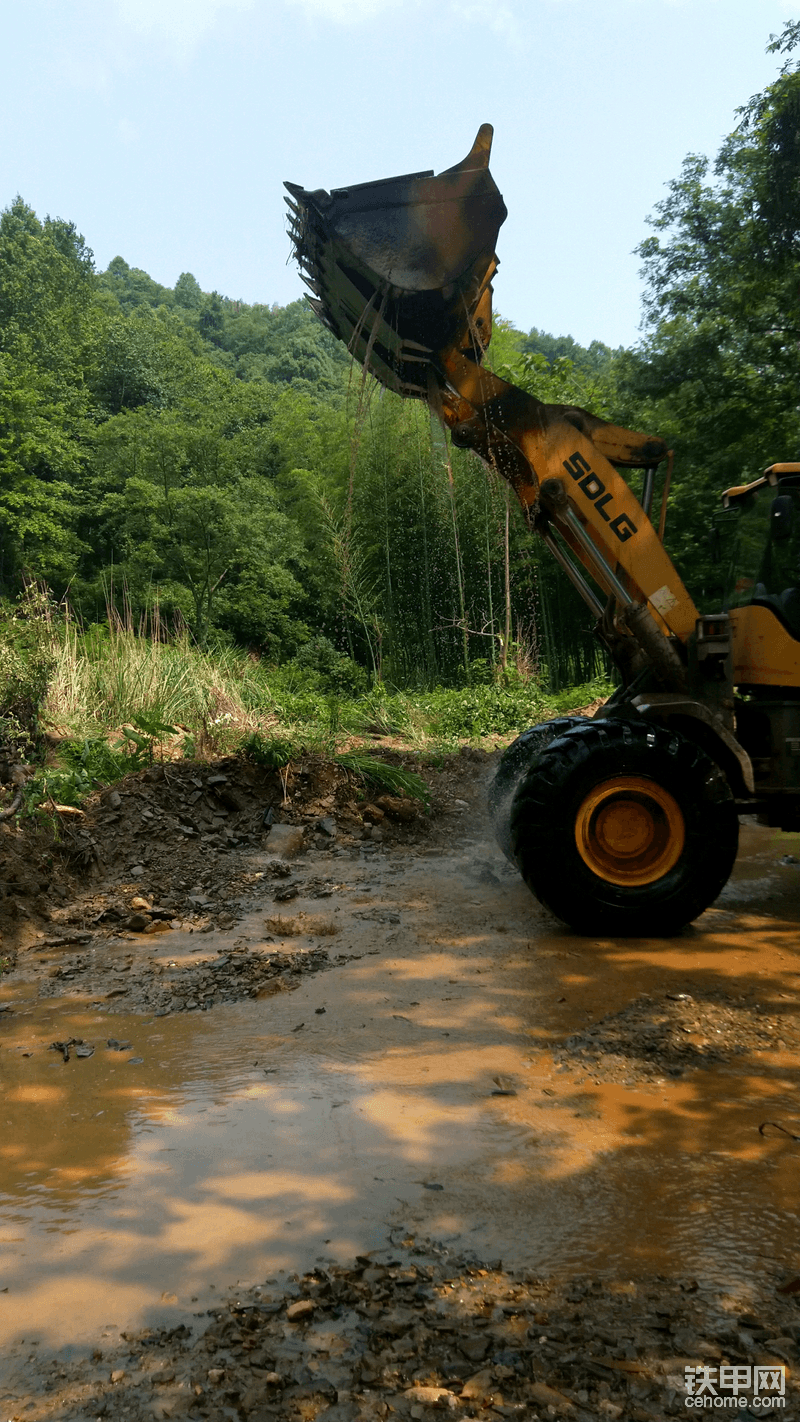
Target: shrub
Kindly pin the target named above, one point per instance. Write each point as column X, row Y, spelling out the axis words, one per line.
column 336, row 672
column 482, row 710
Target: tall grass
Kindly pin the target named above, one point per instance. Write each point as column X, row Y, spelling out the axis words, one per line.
column 120, row 693
column 117, row 673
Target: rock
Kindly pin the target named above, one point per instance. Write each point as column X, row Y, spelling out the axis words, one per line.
column 113, row 799
column 396, row 808
column 376, row 834
column 475, row 1348
column 286, row 841
column 84, row 1051
column 215, row 1375
column 251, row 1398
column 270, row 988
column 372, row 814
column 551, row 1399
column 117, row 1375
column 139, row 903
column 339, row 1412
column 432, row 1396
column 480, row 1386
column 167, row 1407
column 138, row 922
column 328, row 826
column 784, row 1348
column 229, row 799
column 304, row 1308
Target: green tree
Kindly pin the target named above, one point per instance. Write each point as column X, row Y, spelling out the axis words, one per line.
column 47, row 319
column 719, row 369
column 184, row 511
column 188, row 293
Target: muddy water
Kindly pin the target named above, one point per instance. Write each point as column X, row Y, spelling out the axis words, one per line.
column 250, row 1141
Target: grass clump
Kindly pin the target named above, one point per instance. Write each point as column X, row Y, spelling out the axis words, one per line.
column 116, row 675
column 271, row 752
column 395, row 779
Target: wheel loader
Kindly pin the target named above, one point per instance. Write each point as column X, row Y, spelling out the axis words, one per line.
column 626, row 823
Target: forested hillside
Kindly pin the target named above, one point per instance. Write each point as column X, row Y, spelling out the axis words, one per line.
column 228, row 463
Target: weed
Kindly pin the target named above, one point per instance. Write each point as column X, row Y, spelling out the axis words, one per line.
column 141, row 739
column 272, row 753
column 383, row 714
column 394, row 778
column 475, row 711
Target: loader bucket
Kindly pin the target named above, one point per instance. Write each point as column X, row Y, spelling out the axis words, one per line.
column 398, row 267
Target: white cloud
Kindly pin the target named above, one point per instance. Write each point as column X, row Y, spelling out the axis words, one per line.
column 184, row 21
column 501, row 19
column 346, row 12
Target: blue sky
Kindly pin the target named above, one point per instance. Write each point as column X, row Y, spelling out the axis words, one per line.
column 165, row 128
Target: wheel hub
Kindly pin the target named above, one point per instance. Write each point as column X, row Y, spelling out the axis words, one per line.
column 630, row 831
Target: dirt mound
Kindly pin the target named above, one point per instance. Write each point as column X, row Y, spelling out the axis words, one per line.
column 172, row 832
column 650, row 1039
column 189, row 848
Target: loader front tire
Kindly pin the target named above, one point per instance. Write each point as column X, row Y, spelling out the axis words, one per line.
column 516, row 760
column 623, row 827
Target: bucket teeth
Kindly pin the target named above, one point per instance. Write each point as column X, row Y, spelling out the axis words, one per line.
column 395, row 265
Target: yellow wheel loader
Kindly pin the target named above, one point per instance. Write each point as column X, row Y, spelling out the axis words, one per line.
column 626, row 823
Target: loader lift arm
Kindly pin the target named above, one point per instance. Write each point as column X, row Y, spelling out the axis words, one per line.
column 401, row 270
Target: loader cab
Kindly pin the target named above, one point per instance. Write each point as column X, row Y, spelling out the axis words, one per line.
column 759, row 543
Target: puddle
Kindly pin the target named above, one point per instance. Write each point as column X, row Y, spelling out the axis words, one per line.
column 253, row 1140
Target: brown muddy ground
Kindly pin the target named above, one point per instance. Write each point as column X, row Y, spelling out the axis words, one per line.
column 365, row 1131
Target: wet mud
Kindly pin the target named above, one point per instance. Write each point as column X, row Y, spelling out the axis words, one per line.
column 450, row 1082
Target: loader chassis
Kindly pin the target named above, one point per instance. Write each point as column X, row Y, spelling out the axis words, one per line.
column 627, row 823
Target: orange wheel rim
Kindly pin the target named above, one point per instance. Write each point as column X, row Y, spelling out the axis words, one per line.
column 630, row 831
